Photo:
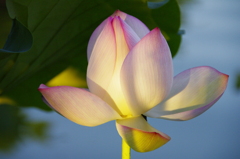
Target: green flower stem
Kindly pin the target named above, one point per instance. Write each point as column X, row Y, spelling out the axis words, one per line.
column 126, row 150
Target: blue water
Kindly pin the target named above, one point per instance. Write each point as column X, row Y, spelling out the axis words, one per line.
column 212, row 37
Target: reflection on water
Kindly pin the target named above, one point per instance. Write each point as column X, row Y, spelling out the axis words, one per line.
column 15, row 128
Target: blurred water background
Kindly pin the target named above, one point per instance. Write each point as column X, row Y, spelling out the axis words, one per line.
column 211, row 38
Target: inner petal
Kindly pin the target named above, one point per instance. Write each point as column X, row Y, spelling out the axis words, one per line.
column 122, row 50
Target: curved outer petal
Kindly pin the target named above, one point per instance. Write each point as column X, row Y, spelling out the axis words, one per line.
column 102, row 62
column 78, row 105
column 139, row 27
column 95, row 36
column 147, row 73
column 194, row 91
column 187, row 115
column 139, row 135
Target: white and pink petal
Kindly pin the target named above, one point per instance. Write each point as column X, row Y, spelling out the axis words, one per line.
column 130, row 35
column 194, row 91
column 113, row 93
column 103, row 58
column 147, row 73
column 187, row 115
column 94, row 37
column 78, row 105
column 122, row 48
column 139, row 27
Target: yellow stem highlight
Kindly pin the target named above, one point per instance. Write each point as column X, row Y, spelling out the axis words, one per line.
column 126, row 150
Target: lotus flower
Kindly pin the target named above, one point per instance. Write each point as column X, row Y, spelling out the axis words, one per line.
column 130, row 74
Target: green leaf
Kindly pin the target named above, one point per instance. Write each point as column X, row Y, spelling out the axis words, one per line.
column 60, row 31
column 168, row 19
column 237, row 84
column 153, row 4
column 15, row 42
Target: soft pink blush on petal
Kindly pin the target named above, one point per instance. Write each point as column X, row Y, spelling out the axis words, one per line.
column 139, row 27
column 122, row 48
column 187, row 115
column 95, row 36
column 78, row 105
column 102, row 62
column 192, row 89
column 130, row 35
column 121, row 14
column 147, row 73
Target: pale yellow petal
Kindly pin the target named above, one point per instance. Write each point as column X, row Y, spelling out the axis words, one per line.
column 139, row 135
